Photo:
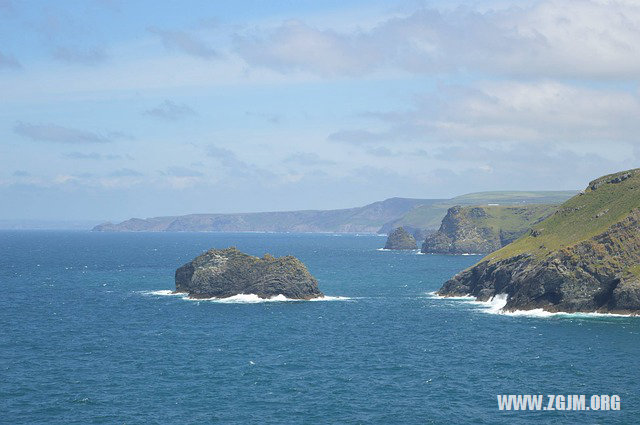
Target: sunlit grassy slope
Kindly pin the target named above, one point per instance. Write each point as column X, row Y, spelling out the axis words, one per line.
column 605, row 202
column 430, row 216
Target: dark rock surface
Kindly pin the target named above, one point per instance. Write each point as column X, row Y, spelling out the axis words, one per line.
column 228, row 272
column 400, row 239
column 599, row 274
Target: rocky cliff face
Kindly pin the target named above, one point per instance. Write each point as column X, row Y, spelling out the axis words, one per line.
column 400, row 239
column 228, row 272
column 481, row 230
column 584, row 258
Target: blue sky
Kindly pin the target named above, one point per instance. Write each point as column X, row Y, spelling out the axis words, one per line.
column 112, row 109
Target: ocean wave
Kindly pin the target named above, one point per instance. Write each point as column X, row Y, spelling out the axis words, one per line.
column 434, row 294
column 240, row 298
column 538, row 312
column 162, row 292
column 330, row 298
column 496, row 305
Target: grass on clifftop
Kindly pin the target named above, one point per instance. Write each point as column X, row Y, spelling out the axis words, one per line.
column 512, row 218
column 515, row 197
column 580, row 218
column 430, row 216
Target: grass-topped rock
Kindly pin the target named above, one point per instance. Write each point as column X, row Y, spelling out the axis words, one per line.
column 585, row 257
column 483, row 229
column 400, row 239
column 223, row 273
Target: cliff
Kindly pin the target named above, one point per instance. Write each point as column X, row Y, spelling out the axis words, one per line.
column 400, row 239
column 415, row 215
column 583, row 258
column 483, row 229
column 228, row 272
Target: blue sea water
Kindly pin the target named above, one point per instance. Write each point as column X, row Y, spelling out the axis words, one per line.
column 85, row 340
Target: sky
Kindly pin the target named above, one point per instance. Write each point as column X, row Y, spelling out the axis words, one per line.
column 114, row 109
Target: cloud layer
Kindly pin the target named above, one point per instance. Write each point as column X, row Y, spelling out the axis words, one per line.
column 58, row 134
column 316, row 106
column 170, row 111
column 524, row 112
column 184, row 42
column 8, row 61
column 553, row 38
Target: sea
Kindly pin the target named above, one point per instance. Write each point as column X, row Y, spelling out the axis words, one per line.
column 91, row 334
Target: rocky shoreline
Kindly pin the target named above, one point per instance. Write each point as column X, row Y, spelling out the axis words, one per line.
column 600, row 273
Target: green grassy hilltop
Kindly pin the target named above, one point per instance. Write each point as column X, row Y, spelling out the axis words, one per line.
column 604, row 202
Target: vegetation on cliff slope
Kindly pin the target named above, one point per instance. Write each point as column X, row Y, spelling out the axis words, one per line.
column 429, row 217
column 607, row 200
column 585, row 257
column 483, row 229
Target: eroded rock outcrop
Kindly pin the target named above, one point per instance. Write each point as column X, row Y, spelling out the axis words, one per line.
column 223, row 273
column 400, row 239
column 584, row 258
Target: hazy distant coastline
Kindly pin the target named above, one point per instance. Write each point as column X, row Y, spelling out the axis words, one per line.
column 415, row 215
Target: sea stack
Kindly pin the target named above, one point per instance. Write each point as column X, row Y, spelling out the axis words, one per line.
column 583, row 258
column 400, row 239
column 222, row 273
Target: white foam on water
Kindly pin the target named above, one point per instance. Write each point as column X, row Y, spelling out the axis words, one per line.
column 162, row 292
column 414, row 251
column 496, row 305
column 330, row 298
column 538, row 312
column 240, row 298
column 434, row 294
column 469, row 253
column 243, row 299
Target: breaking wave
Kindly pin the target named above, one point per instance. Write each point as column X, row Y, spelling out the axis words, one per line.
column 240, row 298
column 496, row 304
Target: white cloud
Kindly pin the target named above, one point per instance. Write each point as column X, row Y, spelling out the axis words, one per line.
column 551, row 38
column 538, row 112
column 296, row 46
